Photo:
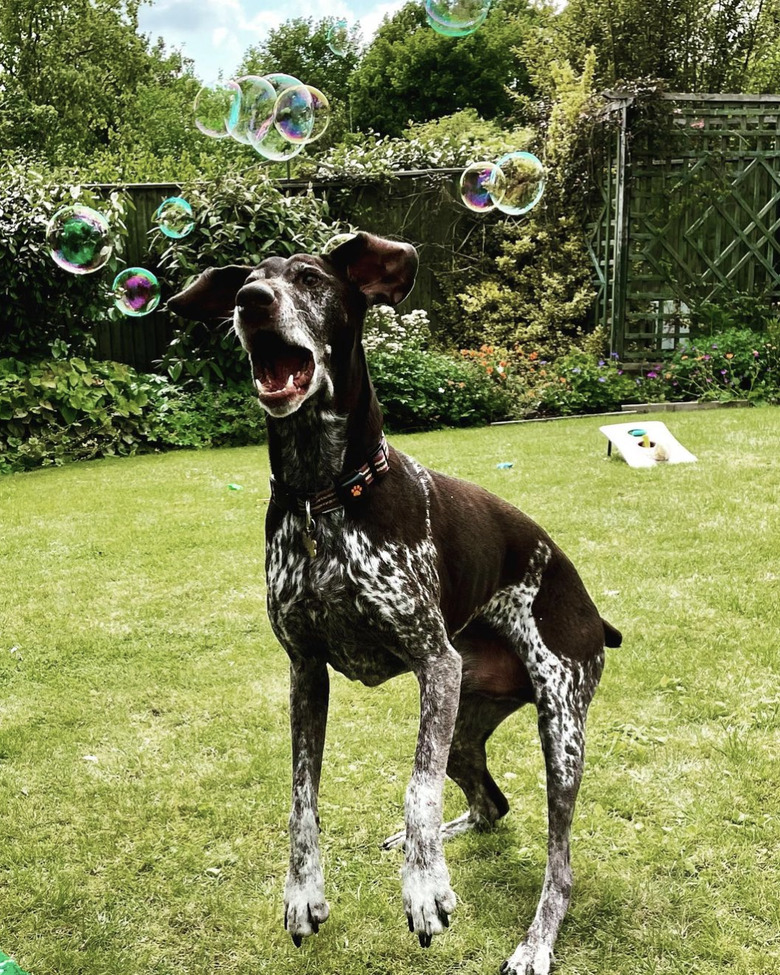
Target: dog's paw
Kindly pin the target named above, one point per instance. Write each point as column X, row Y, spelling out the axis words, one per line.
column 428, row 902
column 305, row 908
column 394, row 840
column 528, row 959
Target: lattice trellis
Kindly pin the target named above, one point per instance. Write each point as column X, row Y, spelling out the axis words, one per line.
column 689, row 226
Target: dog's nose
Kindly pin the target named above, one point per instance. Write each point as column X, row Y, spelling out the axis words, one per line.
column 255, row 298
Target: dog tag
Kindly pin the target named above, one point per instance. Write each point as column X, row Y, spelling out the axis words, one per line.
column 310, row 545
column 309, row 542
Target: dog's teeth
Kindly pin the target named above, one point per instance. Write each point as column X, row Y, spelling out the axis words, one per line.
column 290, row 381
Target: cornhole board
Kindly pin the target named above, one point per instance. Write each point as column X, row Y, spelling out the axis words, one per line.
column 625, row 437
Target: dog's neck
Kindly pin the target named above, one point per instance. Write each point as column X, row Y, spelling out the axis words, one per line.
column 328, row 436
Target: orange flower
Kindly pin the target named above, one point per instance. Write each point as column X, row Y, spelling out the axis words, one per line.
column 534, row 355
column 729, row 355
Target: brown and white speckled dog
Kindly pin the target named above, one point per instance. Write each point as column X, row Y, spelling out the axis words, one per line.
column 377, row 566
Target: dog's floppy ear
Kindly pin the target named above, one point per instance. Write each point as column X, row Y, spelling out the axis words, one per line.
column 211, row 295
column 384, row 270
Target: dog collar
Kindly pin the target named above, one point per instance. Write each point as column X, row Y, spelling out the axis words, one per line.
column 349, row 488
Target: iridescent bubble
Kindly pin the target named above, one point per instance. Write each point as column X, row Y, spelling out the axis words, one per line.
column 338, row 38
column 136, row 291
column 456, row 18
column 79, row 239
column 271, row 144
column 321, row 107
column 335, row 242
column 174, row 217
column 477, row 182
column 294, row 114
column 216, row 107
column 252, row 116
column 523, row 183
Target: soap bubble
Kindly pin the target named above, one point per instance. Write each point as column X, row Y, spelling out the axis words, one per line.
column 321, row 107
column 294, row 114
column 174, row 217
column 253, row 115
column 271, row 143
column 456, row 18
column 136, row 291
column 79, row 239
column 523, row 183
column 216, row 107
column 338, row 38
column 477, row 183
column 335, row 242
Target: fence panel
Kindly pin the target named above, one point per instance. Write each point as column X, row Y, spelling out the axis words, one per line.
column 693, row 222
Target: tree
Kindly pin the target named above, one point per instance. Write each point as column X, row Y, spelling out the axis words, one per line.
column 299, row 47
column 412, row 74
column 693, row 45
column 68, row 73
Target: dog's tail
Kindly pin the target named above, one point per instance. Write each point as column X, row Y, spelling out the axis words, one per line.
column 612, row 636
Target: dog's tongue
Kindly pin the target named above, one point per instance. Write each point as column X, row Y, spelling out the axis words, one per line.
column 283, row 373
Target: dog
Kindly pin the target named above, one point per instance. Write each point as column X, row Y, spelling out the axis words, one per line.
column 377, row 566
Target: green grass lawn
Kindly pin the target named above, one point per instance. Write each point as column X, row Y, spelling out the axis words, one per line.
column 144, row 739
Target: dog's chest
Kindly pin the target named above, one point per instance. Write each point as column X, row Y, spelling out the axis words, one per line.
column 366, row 605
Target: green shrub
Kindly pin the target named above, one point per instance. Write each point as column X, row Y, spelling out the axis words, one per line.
column 70, row 409
column 529, row 279
column 42, row 303
column 209, row 416
column 421, row 388
column 62, row 410
column 734, row 364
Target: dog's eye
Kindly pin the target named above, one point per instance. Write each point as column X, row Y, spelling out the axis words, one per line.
column 310, row 279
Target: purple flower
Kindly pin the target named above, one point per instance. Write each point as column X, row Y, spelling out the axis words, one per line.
column 576, row 369
column 601, row 362
column 723, row 372
column 714, row 346
column 652, row 375
column 602, row 379
column 706, row 358
column 614, row 355
column 620, row 372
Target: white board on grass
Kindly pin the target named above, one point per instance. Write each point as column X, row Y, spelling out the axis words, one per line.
column 646, row 443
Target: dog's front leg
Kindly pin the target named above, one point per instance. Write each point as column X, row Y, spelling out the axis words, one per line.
column 305, row 907
column 427, row 895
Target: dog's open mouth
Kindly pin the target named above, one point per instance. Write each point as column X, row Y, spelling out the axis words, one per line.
column 282, row 372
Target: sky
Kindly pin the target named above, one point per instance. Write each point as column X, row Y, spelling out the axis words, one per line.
column 216, row 33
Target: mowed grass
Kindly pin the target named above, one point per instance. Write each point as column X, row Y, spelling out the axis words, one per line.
column 144, row 753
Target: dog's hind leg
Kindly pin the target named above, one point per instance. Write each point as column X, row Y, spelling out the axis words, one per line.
column 494, row 685
column 478, row 717
column 562, row 707
column 561, row 644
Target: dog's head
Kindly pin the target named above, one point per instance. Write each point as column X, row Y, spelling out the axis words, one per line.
column 296, row 315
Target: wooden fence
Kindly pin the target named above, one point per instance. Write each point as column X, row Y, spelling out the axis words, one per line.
column 421, row 207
